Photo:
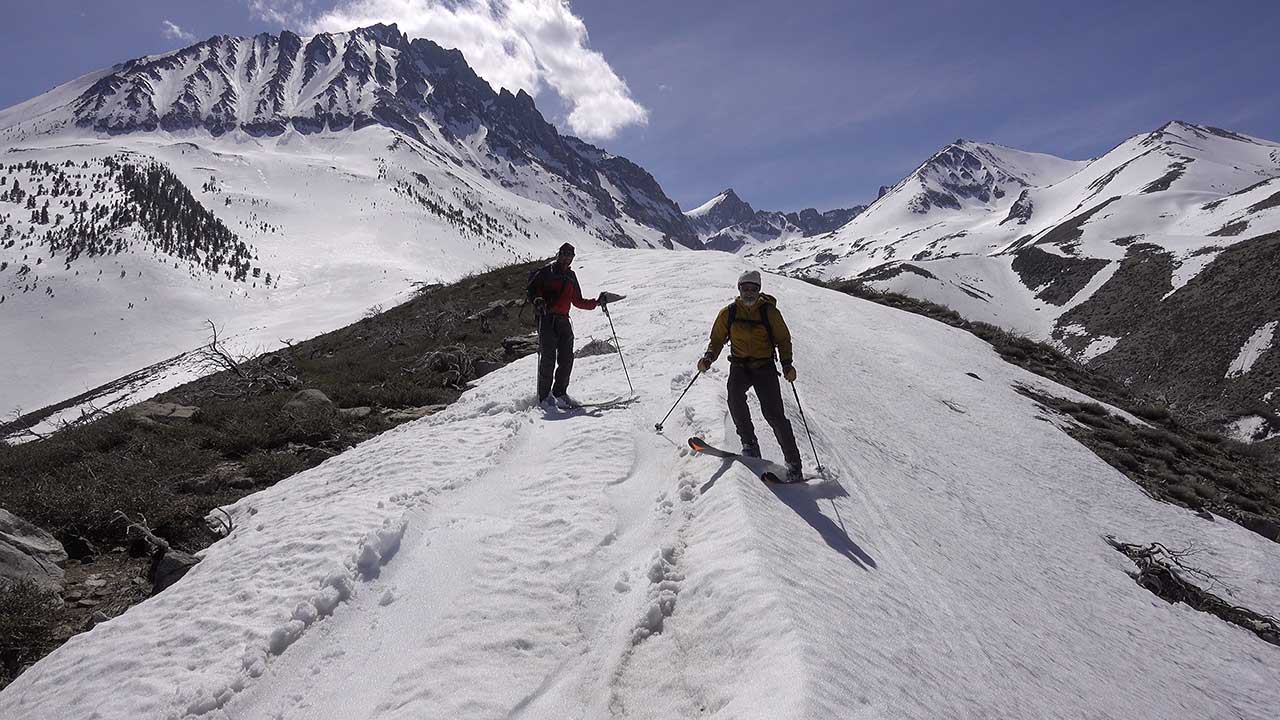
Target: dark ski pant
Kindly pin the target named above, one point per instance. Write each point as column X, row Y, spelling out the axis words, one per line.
column 764, row 378
column 555, row 338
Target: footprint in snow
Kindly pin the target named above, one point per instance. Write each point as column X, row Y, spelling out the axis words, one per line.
column 665, row 580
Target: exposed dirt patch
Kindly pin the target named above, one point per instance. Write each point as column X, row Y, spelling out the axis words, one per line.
column 888, row 271
column 1174, row 463
column 1164, row 182
column 1266, row 204
column 1021, row 210
column 1231, row 229
column 1059, row 278
column 1067, row 234
column 1220, row 309
column 1125, row 301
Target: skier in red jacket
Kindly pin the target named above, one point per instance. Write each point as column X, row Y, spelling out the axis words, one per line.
column 552, row 290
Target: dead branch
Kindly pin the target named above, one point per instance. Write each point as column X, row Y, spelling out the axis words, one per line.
column 246, row 374
column 228, row 525
column 215, row 355
column 157, row 542
column 1163, row 572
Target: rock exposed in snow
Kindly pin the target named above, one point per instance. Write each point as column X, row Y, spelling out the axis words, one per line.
column 28, row 553
column 168, row 567
column 308, row 400
column 161, row 410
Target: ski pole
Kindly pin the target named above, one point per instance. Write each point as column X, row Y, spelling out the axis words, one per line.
column 537, row 318
column 618, row 345
column 806, row 427
column 658, row 426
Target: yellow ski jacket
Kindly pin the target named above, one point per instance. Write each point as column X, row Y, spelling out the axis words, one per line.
column 749, row 339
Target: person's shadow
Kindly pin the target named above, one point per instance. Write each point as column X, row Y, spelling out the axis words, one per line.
column 803, row 498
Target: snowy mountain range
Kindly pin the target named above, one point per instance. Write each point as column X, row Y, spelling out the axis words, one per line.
column 728, row 223
column 268, row 85
column 279, row 186
column 1155, row 262
column 307, row 179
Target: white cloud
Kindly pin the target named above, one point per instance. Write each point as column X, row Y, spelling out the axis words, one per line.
column 517, row 44
column 285, row 13
column 172, row 31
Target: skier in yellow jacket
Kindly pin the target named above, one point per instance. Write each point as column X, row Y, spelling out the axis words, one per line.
column 756, row 332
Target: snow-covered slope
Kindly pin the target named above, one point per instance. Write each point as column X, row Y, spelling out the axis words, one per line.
column 1049, row 247
column 348, row 166
column 989, row 200
column 491, row 561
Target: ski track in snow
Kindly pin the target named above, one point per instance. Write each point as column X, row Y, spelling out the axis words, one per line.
column 495, row 562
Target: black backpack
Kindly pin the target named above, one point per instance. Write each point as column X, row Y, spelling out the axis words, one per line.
column 533, row 275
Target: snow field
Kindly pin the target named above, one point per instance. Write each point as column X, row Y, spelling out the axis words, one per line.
column 494, row 561
column 1252, row 349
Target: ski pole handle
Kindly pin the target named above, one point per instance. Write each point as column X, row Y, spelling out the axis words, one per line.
column 658, row 426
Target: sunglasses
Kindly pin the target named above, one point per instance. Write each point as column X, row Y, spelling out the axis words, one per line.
column 749, row 287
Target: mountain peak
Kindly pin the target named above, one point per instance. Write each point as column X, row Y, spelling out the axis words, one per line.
column 966, row 172
column 724, row 210
column 386, row 34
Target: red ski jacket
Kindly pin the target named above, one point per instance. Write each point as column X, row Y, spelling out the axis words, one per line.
column 559, row 289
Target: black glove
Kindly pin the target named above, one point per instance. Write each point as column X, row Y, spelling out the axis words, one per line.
column 539, row 304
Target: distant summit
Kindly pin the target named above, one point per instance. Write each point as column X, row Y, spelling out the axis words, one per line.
column 728, row 223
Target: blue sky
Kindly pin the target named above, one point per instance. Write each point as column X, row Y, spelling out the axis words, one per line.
column 805, row 103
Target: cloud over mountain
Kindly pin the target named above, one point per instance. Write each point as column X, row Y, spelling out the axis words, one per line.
column 175, row 32
column 525, row 45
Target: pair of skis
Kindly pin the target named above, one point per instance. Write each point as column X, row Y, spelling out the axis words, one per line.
column 773, row 474
column 610, row 404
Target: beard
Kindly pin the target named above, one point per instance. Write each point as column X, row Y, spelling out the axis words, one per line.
column 751, row 302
